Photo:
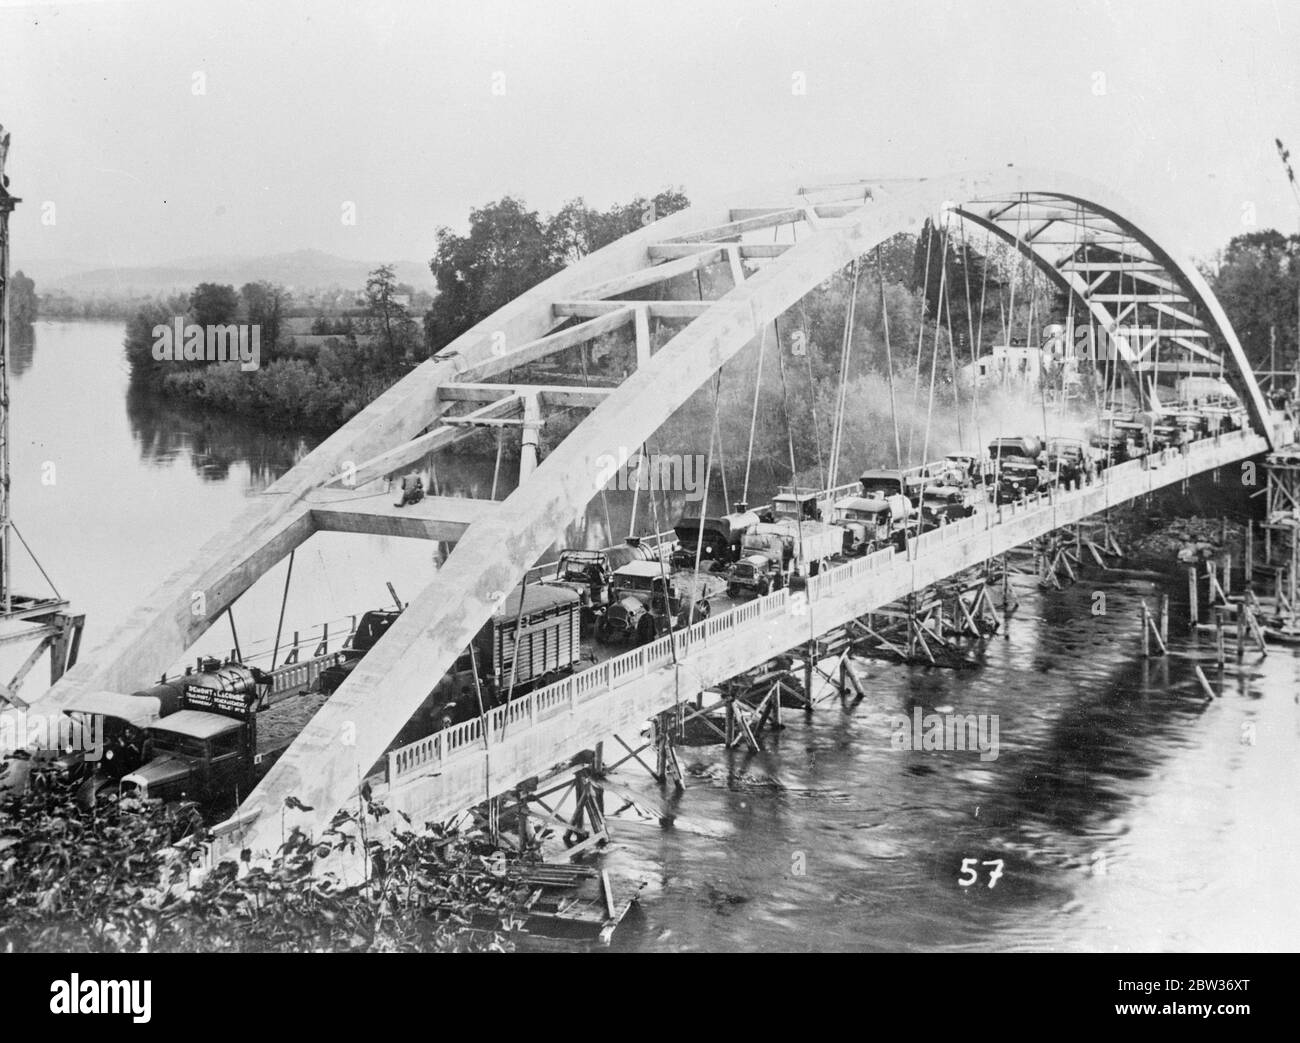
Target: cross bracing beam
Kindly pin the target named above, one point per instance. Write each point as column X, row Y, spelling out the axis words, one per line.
column 1132, row 267
column 732, row 229
column 1183, row 319
column 434, row 518
column 655, row 274
column 749, row 251
column 357, row 474
column 1138, row 298
column 380, row 696
column 498, row 354
column 655, row 309
column 556, row 395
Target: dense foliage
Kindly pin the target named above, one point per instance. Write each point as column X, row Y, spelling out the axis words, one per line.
column 109, row 880
column 1257, row 279
column 509, row 249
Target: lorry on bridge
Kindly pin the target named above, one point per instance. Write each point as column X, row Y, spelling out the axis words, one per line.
column 893, row 482
column 544, row 626
column 104, row 739
column 872, row 522
column 646, row 601
column 1018, row 479
column 941, row 504
column 373, row 625
column 715, row 539
column 588, row 572
column 1019, row 447
column 808, row 543
column 208, row 751
column 1070, row 461
column 761, row 568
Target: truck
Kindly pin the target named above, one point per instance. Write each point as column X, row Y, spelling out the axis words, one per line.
column 1020, row 447
column 715, row 539
column 892, row 482
column 207, row 751
column 1018, row 479
column 587, row 573
column 873, row 522
column 487, row 673
column 760, row 569
column 795, row 505
column 646, row 601
column 962, row 469
column 373, row 626
column 941, row 504
column 807, row 547
column 809, row 542
column 1070, row 460
column 104, row 739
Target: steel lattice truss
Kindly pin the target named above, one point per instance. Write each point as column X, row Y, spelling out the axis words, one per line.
column 1073, row 231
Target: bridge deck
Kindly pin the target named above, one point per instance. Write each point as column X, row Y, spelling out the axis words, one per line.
column 441, row 775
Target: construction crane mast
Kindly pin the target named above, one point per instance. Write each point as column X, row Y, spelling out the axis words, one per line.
column 46, row 619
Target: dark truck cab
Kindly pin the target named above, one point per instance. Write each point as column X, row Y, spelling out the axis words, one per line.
column 373, row 626
column 892, row 482
column 195, row 755
column 715, row 539
column 1017, row 479
column 645, row 604
column 941, row 504
column 587, row 573
column 125, row 720
column 1069, row 460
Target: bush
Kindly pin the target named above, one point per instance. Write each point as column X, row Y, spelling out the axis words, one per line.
column 110, row 880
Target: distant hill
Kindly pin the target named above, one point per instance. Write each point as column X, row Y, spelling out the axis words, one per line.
column 299, row 270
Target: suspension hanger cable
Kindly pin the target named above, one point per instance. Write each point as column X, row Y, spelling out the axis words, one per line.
column 604, row 499
column 977, row 341
column 846, row 350
column 753, row 417
column 928, row 231
column 934, row 351
column 785, row 404
column 889, row 359
column 812, row 402
column 952, row 356
column 704, row 507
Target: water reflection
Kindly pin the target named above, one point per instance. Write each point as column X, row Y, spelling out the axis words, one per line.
column 212, row 442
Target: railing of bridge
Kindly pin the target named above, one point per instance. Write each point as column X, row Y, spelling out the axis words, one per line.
column 432, row 751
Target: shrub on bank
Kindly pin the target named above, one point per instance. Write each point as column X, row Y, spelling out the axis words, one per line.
column 109, row 880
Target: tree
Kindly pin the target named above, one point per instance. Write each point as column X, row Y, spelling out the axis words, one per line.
column 22, row 299
column 212, row 304
column 1256, row 279
column 504, row 254
column 390, row 318
column 510, row 249
column 265, row 303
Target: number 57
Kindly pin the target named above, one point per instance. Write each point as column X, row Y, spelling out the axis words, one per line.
column 968, row 866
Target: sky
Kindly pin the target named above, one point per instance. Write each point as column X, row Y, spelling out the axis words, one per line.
column 149, row 132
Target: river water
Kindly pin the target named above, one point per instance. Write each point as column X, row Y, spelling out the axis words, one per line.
column 1123, row 812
